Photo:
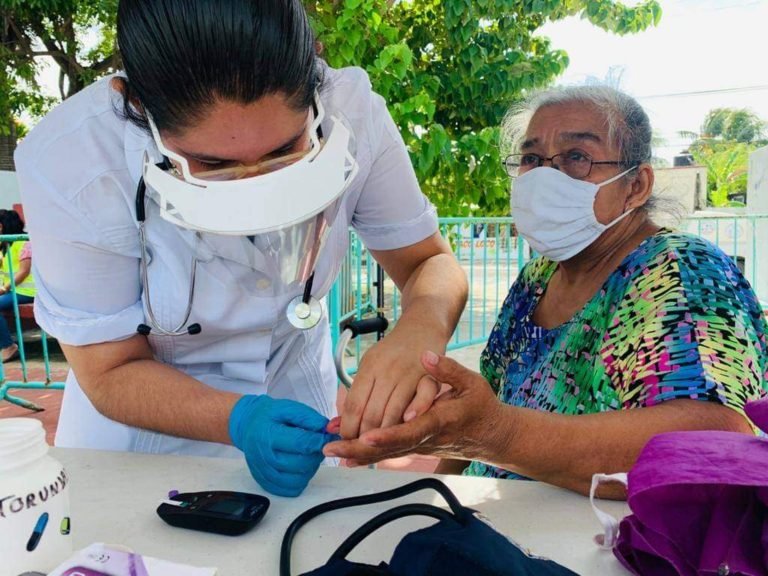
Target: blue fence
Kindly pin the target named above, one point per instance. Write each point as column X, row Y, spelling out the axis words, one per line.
column 488, row 249
column 20, row 378
column 492, row 254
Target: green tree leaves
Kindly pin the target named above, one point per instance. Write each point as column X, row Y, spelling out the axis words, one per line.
column 728, row 137
column 727, row 163
column 31, row 30
column 450, row 69
column 738, row 125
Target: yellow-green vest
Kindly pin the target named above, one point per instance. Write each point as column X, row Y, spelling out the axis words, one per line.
column 27, row 287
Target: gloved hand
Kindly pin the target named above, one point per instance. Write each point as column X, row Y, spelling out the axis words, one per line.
column 282, row 441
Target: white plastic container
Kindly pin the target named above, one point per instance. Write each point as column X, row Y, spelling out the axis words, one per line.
column 34, row 501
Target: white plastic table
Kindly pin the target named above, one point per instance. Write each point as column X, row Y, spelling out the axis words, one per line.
column 114, row 497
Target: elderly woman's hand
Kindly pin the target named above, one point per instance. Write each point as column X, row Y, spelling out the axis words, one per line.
column 463, row 422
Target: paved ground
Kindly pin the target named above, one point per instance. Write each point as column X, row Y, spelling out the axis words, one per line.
column 50, row 400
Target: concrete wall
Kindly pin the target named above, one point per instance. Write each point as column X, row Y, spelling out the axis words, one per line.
column 685, row 185
column 9, row 189
column 757, row 203
column 7, row 147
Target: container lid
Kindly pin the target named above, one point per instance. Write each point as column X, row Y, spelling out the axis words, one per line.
column 22, row 441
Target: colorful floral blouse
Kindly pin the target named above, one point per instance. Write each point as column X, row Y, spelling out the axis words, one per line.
column 675, row 320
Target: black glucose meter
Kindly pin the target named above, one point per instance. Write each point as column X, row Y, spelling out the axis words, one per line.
column 230, row 513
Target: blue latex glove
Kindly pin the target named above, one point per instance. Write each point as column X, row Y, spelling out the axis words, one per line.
column 282, row 441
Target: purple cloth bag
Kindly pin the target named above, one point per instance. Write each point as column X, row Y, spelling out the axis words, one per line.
column 699, row 503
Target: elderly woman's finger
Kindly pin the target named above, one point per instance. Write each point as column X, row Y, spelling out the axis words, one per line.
column 378, row 458
column 408, row 437
column 354, row 451
column 384, row 443
column 426, row 392
column 447, row 370
column 351, row 450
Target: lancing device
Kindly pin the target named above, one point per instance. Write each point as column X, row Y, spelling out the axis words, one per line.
column 37, row 533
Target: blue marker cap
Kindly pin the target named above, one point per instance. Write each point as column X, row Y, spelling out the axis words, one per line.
column 37, row 533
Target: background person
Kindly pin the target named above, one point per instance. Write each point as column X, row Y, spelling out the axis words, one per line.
column 18, row 254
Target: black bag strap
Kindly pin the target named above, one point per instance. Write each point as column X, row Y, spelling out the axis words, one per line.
column 459, row 514
column 385, row 518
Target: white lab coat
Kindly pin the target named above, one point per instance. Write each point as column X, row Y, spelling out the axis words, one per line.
column 78, row 171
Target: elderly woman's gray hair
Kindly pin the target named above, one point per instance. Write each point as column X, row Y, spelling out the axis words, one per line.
column 628, row 126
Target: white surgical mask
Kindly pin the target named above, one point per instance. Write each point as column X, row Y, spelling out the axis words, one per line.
column 556, row 213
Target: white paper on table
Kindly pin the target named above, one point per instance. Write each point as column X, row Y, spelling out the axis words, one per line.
column 104, row 560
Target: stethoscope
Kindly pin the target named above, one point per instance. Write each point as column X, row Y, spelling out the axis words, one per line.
column 141, row 218
column 303, row 312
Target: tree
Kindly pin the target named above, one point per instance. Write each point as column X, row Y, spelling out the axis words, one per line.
column 728, row 136
column 727, row 163
column 737, row 125
column 58, row 30
column 450, row 69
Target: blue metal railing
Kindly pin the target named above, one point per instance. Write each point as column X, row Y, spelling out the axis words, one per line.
column 24, row 383
column 489, row 250
column 492, row 254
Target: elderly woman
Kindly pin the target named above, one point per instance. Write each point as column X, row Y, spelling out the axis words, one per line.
column 620, row 330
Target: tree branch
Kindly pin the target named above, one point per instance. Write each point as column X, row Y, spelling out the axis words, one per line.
column 24, row 42
column 111, row 61
column 50, row 44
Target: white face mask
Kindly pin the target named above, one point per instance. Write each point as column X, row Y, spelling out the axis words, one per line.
column 556, row 213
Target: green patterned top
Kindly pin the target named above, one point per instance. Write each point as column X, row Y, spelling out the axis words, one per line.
column 676, row 319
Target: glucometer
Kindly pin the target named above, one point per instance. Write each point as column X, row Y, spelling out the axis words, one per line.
column 230, row 513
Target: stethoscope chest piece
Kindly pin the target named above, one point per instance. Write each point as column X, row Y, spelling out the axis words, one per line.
column 304, row 315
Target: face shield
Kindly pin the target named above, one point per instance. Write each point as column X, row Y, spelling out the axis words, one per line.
column 285, row 205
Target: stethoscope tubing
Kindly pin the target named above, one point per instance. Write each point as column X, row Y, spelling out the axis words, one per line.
column 183, row 328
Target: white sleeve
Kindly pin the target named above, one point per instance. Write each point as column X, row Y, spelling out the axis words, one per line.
column 86, row 272
column 391, row 212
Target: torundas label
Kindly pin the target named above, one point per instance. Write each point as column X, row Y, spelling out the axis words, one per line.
column 14, row 503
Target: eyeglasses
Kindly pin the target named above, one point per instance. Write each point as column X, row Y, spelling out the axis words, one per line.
column 242, row 171
column 575, row 164
column 212, row 173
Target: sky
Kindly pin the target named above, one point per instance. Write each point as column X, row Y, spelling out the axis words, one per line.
column 704, row 54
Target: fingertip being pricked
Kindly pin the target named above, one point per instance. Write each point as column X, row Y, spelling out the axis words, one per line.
column 334, row 425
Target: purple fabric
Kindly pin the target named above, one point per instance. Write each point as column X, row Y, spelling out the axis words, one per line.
column 699, row 503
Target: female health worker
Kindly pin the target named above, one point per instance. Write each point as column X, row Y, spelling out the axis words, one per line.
column 188, row 217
